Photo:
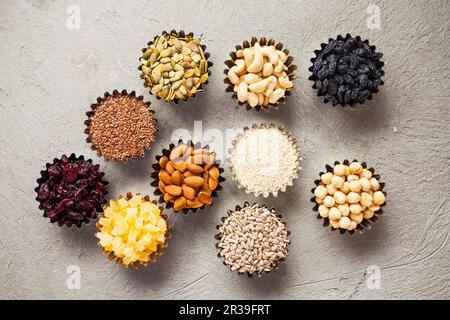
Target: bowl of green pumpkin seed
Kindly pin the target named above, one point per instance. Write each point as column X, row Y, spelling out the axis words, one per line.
column 175, row 66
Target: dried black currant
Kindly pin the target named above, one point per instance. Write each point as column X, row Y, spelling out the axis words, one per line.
column 347, row 71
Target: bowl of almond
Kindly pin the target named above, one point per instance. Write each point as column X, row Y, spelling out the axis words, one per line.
column 187, row 177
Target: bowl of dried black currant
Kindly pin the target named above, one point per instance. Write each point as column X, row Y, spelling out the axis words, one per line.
column 347, row 71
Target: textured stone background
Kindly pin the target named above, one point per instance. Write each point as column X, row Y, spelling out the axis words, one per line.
column 50, row 75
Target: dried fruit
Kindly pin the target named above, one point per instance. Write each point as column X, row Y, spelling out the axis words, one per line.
column 71, row 190
column 347, row 71
column 132, row 230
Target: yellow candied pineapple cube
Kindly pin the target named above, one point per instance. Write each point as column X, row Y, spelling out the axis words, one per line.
column 117, row 246
column 123, row 203
column 135, row 201
column 160, row 237
column 162, row 225
column 152, row 219
column 130, row 255
column 105, row 239
column 105, row 222
column 140, row 246
column 108, row 212
column 155, row 210
column 146, row 239
column 151, row 247
column 143, row 257
column 151, row 228
column 146, row 207
column 132, row 236
column 114, row 205
column 139, row 223
column 131, row 213
column 120, row 227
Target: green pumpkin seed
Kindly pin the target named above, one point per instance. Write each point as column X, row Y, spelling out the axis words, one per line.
column 189, row 73
column 176, row 85
column 203, row 66
column 189, row 83
column 156, row 89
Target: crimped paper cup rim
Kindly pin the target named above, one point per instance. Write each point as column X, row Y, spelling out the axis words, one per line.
column 290, row 72
column 100, row 100
column 366, row 224
column 159, row 249
column 44, row 175
column 276, row 262
column 291, row 139
column 155, row 178
column 181, row 34
column 313, row 77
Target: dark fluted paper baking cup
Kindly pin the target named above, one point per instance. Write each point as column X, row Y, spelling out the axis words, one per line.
column 366, row 224
column 155, row 178
column 44, row 177
column 218, row 238
column 94, row 106
column 290, row 71
column 177, row 34
column 291, row 139
column 352, row 103
column 159, row 249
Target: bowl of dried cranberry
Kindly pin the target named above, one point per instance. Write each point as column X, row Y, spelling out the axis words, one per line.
column 347, row 71
column 71, row 190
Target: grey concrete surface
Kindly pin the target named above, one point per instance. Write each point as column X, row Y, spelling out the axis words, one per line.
column 50, row 75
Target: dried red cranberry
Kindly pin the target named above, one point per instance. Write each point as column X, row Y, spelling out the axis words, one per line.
column 44, row 191
column 71, row 190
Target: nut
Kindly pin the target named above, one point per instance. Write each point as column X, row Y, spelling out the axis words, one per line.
column 348, row 196
column 194, row 182
column 188, row 177
column 173, row 190
column 260, row 77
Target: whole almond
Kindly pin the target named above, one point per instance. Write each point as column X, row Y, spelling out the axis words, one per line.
column 188, row 192
column 205, row 188
column 177, row 152
column 179, row 203
column 204, row 197
column 169, row 167
column 206, row 175
column 188, row 174
column 177, row 178
column 213, row 183
column 168, row 197
column 194, row 182
column 161, row 186
column 194, row 168
column 163, row 161
column 214, row 172
column 180, row 165
column 173, row 190
column 194, row 203
column 165, row 177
